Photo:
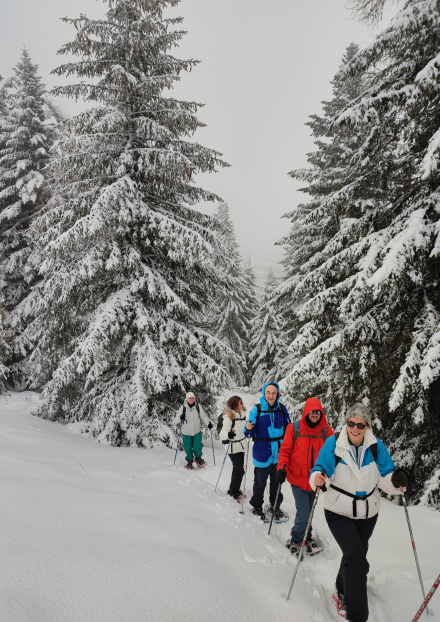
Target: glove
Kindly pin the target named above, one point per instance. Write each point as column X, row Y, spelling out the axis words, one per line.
column 225, row 442
column 210, row 426
column 182, row 417
column 280, row 476
column 400, row 478
column 231, row 434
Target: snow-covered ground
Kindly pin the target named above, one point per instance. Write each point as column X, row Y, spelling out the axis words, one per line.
column 133, row 538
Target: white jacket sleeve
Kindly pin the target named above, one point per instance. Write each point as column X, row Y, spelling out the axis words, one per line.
column 387, row 486
column 203, row 416
column 227, row 426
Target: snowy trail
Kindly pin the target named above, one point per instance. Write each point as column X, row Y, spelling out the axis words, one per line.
column 134, row 538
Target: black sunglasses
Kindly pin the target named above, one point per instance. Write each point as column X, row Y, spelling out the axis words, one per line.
column 361, row 426
column 314, row 412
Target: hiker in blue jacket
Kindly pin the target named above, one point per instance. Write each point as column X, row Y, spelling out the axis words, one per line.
column 357, row 464
column 267, row 425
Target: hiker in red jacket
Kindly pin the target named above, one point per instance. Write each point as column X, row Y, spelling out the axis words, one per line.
column 299, row 451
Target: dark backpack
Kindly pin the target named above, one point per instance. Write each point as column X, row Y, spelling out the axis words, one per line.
column 269, row 439
column 372, row 447
column 220, row 423
column 297, row 434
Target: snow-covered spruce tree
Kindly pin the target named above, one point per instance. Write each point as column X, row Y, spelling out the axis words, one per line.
column 266, row 336
column 231, row 321
column 3, row 352
column 130, row 265
column 25, row 140
column 317, row 223
column 381, row 271
column 252, row 305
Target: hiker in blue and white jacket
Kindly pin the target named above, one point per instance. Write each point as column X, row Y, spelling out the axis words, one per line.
column 356, row 464
column 267, row 425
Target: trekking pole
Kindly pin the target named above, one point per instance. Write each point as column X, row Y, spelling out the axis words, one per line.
column 427, row 599
column 276, row 500
column 224, row 460
column 245, row 473
column 212, row 443
column 323, row 472
column 414, row 549
column 178, row 442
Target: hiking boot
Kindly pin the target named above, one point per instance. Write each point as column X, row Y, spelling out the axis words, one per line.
column 200, row 462
column 278, row 514
column 189, row 465
column 313, row 547
column 259, row 512
column 294, row 547
column 340, row 604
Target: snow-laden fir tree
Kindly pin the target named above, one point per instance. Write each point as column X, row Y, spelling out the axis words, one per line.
column 25, row 139
column 3, row 352
column 379, row 278
column 318, row 222
column 231, row 316
column 252, row 305
column 129, row 265
column 266, row 336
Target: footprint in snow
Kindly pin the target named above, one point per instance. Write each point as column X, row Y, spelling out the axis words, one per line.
column 200, row 496
column 247, row 558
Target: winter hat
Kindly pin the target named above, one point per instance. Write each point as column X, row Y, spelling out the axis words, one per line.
column 190, row 394
column 359, row 410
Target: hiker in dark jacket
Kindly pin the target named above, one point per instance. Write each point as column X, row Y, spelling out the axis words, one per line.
column 299, row 452
column 356, row 464
column 267, row 424
column 233, row 420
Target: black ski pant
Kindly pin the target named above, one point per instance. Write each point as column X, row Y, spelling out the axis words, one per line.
column 237, row 471
column 260, row 478
column 352, row 535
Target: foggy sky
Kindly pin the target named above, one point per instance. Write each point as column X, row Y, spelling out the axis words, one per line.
column 265, row 67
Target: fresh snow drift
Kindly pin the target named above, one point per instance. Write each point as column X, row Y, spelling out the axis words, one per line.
column 91, row 532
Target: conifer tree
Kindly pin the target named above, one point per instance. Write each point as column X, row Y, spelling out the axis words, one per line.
column 24, row 146
column 129, row 265
column 378, row 281
column 231, row 318
column 266, row 339
column 319, row 222
column 251, row 309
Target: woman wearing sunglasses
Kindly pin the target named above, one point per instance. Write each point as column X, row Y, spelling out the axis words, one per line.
column 357, row 464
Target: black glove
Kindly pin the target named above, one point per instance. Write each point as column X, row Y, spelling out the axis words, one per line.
column 182, row 417
column 225, row 442
column 210, row 426
column 231, row 434
column 280, row 476
column 400, row 478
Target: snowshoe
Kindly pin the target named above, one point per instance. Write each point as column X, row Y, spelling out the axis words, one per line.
column 200, row 462
column 294, row 547
column 189, row 466
column 237, row 495
column 259, row 512
column 279, row 515
column 340, row 604
column 313, row 547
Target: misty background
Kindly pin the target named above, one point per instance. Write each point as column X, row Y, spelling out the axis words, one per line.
column 265, row 67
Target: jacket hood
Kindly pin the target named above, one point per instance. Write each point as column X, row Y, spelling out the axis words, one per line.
column 313, row 403
column 263, row 399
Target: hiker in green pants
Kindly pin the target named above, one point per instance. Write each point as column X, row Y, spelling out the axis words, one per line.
column 192, row 415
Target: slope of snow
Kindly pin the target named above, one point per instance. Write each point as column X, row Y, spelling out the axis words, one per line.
column 131, row 537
